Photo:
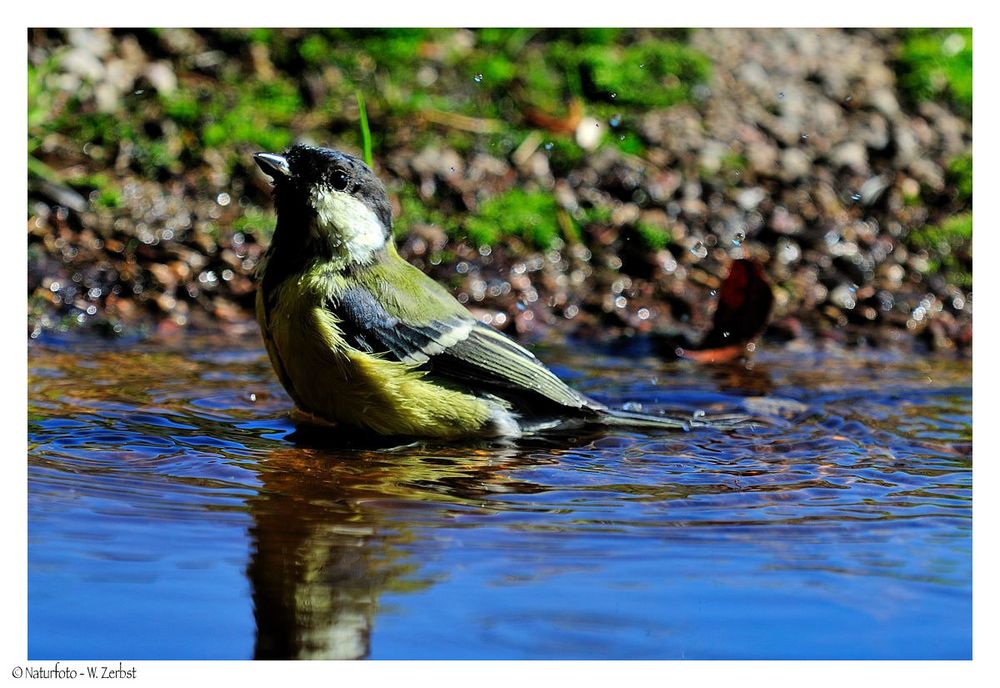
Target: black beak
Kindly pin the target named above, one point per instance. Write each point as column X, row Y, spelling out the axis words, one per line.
column 273, row 165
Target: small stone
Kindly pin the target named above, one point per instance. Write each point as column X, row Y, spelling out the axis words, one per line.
column 851, row 154
column 748, row 199
column 588, row 134
column 161, row 76
column 795, row 164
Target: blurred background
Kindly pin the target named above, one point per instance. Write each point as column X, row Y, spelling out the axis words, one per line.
column 582, row 182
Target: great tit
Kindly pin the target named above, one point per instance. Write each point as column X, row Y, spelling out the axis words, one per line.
column 363, row 340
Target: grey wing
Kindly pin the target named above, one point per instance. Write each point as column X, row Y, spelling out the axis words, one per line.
column 456, row 347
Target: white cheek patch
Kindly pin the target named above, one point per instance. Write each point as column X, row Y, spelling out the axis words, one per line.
column 351, row 227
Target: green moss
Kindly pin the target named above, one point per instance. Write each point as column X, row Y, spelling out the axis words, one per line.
column 109, row 198
column 733, row 162
column 257, row 115
column 497, row 71
column 315, row 49
column 731, row 167
column 181, row 106
column 629, row 142
column 108, row 193
column 960, row 175
column 530, row 215
column 413, row 211
column 600, row 215
column 942, row 238
column 937, row 63
column 256, row 222
column 600, row 36
column 266, row 36
column 648, row 74
column 564, row 154
column 654, row 236
column 944, row 243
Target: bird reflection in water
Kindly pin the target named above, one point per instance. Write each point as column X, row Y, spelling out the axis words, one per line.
column 333, row 530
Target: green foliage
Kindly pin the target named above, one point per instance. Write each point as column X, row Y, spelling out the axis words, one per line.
column 936, row 63
column 531, row 215
column 366, row 134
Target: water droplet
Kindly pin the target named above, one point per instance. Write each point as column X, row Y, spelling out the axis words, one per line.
column 633, row 406
column 622, row 137
column 804, row 137
column 615, row 120
column 614, row 95
column 698, row 413
column 738, row 238
column 253, row 397
column 699, row 250
column 855, row 197
column 548, row 146
column 848, row 99
column 781, row 95
column 478, row 78
column 642, row 65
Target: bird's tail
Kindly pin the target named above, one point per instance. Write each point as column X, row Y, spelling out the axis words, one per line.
column 632, row 419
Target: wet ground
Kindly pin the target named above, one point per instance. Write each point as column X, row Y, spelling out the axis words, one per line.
column 174, row 512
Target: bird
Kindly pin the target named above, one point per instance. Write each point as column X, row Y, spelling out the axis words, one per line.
column 364, row 341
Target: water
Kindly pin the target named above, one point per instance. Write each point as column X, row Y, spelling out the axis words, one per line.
column 175, row 513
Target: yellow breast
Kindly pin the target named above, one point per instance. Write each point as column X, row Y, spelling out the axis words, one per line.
column 335, row 382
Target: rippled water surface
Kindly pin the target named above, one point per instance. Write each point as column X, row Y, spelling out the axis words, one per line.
column 174, row 512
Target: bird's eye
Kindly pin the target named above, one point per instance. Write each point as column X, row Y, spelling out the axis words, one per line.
column 339, row 180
